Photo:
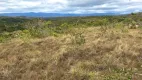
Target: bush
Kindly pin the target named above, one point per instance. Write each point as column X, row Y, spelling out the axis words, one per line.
column 78, row 39
column 48, row 23
column 5, row 36
column 119, row 25
column 100, row 22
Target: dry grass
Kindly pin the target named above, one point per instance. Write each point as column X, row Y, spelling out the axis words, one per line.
column 105, row 55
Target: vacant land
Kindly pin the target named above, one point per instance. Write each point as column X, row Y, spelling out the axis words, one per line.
column 88, row 54
column 90, row 48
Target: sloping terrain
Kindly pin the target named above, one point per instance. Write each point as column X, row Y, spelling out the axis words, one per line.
column 87, row 54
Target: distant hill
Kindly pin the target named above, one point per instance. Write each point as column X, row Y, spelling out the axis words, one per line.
column 31, row 14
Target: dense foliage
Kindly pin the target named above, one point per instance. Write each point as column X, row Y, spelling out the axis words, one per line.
column 10, row 27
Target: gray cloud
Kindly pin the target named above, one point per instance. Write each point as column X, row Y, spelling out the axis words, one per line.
column 71, row 6
column 86, row 3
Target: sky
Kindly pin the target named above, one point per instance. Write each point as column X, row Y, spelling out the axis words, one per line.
column 71, row 6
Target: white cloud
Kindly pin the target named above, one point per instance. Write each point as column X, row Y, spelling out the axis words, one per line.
column 71, row 6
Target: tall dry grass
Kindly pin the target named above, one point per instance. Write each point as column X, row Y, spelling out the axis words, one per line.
column 94, row 54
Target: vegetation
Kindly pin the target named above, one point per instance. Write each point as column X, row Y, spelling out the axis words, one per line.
column 75, row 48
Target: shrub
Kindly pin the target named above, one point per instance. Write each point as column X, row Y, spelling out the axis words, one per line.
column 119, row 25
column 24, row 35
column 48, row 23
column 4, row 36
column 63, row 28
column 78, row 39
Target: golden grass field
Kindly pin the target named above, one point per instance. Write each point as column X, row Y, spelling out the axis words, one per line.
column 84, row 54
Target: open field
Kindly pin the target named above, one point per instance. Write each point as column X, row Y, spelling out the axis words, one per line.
column 92, row 55
column 75, row 48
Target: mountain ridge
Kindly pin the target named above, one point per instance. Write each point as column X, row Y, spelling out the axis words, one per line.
column 41, row 14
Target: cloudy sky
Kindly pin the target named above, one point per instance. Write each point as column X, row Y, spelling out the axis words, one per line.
column 71, row 6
